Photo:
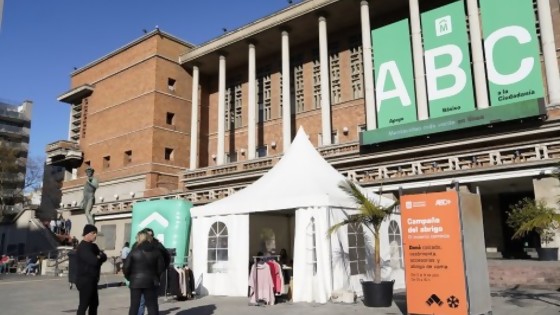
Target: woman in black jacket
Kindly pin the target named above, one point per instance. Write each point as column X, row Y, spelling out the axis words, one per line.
column 143, row 268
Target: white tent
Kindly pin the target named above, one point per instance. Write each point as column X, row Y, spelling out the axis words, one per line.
column 302, row 181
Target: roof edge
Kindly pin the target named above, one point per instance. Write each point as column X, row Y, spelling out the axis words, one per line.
column 135, row 42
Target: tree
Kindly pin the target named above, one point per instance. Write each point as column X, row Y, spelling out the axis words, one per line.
column 371, row 214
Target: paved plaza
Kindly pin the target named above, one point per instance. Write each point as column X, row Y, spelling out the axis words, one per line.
column 48, row 296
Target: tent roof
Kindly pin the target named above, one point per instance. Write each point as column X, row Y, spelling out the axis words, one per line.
column 302, row 178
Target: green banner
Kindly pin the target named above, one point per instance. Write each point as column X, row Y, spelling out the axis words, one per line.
column 394, row 78
column 447, row 60
column 169, row 219
column 512, row 51
column 481, row 117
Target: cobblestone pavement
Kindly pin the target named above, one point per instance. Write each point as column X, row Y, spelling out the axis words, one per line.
column 48, row 295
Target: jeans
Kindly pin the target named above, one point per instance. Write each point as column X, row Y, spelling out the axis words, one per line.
column 150, row 296
column 142, row 305
column 30, row 267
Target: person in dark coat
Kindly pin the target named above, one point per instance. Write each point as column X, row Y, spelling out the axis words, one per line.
column 88, row 267
column 143, row 268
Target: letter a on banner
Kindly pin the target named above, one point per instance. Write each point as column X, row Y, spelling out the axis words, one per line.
column 447, row 59
column 512, row 51
column 394, row 79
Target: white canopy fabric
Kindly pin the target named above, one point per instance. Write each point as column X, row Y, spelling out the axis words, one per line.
column 302, row 178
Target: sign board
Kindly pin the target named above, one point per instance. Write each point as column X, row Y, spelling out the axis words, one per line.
column 512, row 51
column 512, row 58
column 447, row 60
column 437, row 273
column 169, row 219
column 394, row 76
column 433, row 253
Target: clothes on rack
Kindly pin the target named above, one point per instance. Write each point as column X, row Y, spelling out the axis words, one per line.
column 179, row 282
column 277, row 276
column 261, row 284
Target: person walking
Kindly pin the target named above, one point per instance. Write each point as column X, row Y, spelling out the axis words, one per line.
column 143, row 268
column 89, row 259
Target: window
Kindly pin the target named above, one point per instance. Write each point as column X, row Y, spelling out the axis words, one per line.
column 311, row 247
column 298, row 84
column 107, row 236
column 170, row 118
column 106, row 162
column 171, row 84
column 169, row 154
column 262, row 151
column 127, row 232
column 334, row 65
column 356, row 249
column 395, row 244
column 356, row 62
column 362, row 128
column 218, row 248
column 316, row 80
column 127, row 157
column 264, row 94
column 231, row 157
column 334, row 137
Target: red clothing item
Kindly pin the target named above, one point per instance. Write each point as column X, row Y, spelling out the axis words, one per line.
column 274, row 274
column 4, row 259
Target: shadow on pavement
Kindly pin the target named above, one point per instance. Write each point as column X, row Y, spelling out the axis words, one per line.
column 169, row 311
column 400, row 301
column 199, row 310
column 519, row 297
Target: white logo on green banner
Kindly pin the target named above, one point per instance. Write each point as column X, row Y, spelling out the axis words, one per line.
column 512, row 51
column 394, row 79
column 447, row 60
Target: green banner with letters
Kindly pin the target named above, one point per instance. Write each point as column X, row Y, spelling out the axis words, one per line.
column 447, row 60
column 512, row 51
column 481, row 117
column 394, row 78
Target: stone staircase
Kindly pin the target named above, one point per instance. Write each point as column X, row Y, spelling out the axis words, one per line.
column 526, row 273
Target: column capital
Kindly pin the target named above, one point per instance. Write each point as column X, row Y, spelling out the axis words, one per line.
column 364, row 2
column 285, row 29
column 222, row 54
column 322, row 15
column 252, row 42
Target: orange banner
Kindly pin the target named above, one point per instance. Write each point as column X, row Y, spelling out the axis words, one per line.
column 433, row 253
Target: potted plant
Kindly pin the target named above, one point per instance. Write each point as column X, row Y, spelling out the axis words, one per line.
column 371, row 214
column 530, row 215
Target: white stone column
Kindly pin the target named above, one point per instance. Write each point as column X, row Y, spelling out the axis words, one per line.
column 549, row 52
column 418, row 58
column 252, row 123
column 369, row 85
column 547, row 189
column 481, row 91
column 220, row 154
column 325, row 84
column 286, row 93
column 194, row 119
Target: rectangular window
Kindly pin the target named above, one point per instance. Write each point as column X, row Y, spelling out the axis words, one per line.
column 264, row 94
column 169, row 154
column 107, row 236
column 127, row 232
column 316, row 80
column 334, row 137
column 106, row 162
column 356, row 249
column 361, row 128
column 356, row 62
column 170, row 118
column 171, row 84
column 231, row 157
column 262, row 151
column 127, row 157
column 334, row 65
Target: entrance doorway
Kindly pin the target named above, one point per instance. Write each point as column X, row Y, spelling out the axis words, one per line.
column 515, row 249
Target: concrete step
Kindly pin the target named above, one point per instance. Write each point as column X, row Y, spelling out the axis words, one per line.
column 527, row 273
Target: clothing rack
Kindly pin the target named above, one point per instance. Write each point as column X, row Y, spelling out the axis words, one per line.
column 172, row 254
column 255, row 260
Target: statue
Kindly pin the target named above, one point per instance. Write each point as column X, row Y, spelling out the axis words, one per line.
column 89, row 195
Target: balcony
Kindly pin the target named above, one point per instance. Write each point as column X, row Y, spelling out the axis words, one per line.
column 64, row 153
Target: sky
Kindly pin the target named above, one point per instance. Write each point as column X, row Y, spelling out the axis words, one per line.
column 41, row 41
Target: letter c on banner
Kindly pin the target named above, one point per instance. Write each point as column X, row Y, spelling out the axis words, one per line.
column 523, row 37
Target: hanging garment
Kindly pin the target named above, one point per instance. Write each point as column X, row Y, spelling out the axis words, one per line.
column 261, row 284
column 189, row 281
column 274, row 274
column 182, row 286
column 279, row 278
column 174, row 287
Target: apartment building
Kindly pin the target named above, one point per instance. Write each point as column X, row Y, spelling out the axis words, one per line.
column 15, row 124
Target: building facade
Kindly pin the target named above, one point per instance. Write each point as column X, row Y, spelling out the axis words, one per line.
column 426, row 113
column 15, row 124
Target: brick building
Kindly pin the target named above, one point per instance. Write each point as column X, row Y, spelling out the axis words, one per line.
column 161, row 118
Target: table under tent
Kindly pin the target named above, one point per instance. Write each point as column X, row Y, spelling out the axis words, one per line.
column 291, row 207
